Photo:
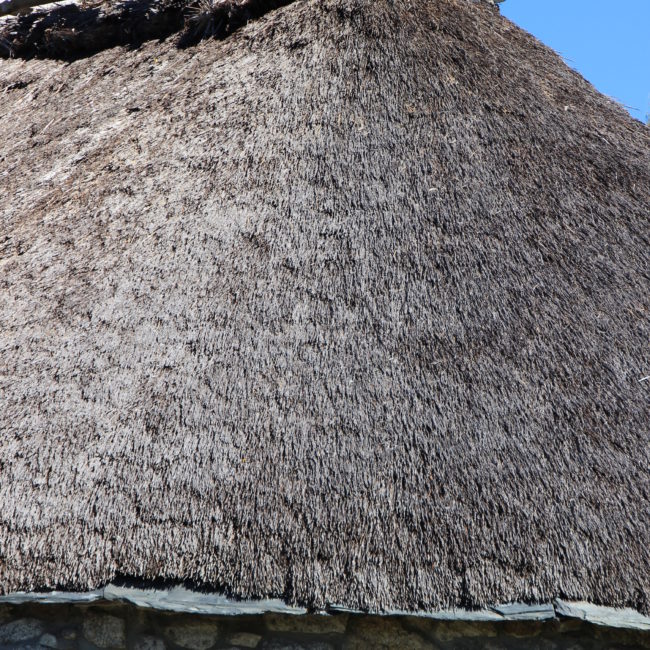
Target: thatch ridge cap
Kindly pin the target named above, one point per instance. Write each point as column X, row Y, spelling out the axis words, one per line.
column 74, row 31
column 71, row 31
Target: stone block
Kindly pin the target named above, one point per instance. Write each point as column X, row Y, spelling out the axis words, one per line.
column 453, row 631
column 524, row 612
column 494, row 645
column 245, row 640
column 149, row 643
column 522, row 629
column 49, row 641
column 64, row 639
column 383, row 634
column 279, row 644
column 200, row 635
column 105, row 631
column 307, row 624
column 21, row 630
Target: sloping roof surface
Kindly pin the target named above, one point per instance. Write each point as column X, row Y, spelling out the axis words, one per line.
column 348, row 307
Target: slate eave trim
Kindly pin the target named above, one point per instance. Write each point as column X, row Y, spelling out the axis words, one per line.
column 606, row 616
column 181, row 600
column 52, row 597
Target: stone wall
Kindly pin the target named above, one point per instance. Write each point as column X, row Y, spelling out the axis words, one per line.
column 120, row 626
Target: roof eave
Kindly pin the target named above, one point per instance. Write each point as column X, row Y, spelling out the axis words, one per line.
column 182, row 600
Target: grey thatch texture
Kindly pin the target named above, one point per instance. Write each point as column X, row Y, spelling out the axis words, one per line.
column 348, row 307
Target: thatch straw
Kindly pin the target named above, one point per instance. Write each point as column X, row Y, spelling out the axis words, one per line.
column 349, row 307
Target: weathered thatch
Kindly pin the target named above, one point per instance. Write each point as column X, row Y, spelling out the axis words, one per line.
column 348, row 307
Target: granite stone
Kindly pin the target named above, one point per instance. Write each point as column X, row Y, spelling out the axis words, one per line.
column 245, row 640
column 310, row 624
column 21, row 630
column 199, row 635
column 105, row 631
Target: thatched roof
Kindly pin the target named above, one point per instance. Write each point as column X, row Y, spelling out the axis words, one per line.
column 349, row 306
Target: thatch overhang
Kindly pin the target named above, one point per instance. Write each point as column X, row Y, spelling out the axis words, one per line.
column 349, row 306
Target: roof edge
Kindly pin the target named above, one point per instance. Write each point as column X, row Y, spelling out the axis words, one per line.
column 183, row 600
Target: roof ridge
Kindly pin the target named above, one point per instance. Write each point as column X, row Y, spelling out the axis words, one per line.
column 78, row 30
column 75, row 31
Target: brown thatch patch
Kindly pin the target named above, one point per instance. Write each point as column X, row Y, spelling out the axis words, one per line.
column 349, row 307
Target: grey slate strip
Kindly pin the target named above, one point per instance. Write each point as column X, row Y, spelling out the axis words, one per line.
column 473, row 615
column 52, row 597
column 608, row 616
column 179, row 599
column 523, row 612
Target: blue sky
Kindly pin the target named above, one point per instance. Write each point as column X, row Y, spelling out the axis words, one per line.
column 607, row 41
